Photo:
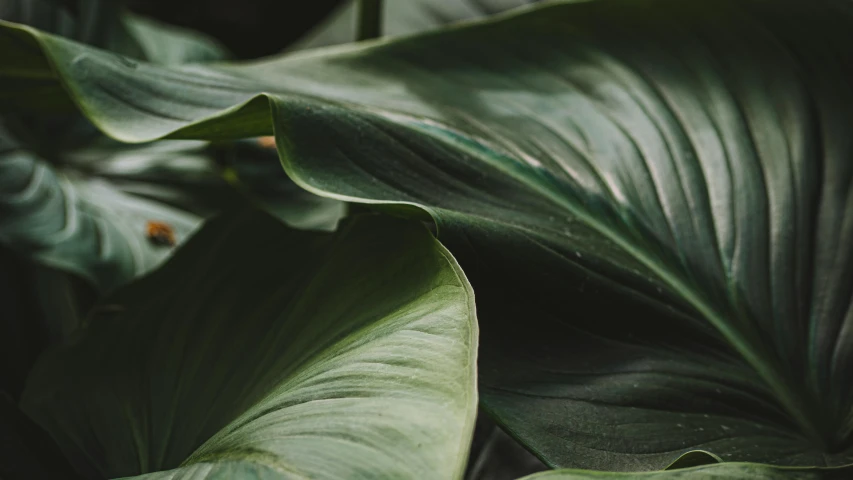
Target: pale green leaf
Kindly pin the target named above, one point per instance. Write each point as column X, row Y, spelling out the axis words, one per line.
column 260, row 350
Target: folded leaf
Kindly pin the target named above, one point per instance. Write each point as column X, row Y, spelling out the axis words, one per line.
column 652, row 199
column 260, row 350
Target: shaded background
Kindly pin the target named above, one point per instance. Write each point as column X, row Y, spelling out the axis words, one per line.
column 249, row 28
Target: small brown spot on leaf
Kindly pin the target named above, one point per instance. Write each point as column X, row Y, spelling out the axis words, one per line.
column 160, row 233
column 267, row 142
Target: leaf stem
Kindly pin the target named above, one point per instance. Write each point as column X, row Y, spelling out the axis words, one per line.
column 369, row 19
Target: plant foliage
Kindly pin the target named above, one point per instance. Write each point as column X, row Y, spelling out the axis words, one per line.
column 652, row 199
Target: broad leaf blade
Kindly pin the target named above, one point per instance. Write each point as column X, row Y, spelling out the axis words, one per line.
column 342, row 356
column 652, row 199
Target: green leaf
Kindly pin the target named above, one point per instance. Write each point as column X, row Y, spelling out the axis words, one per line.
column 339, row 356
column 401, row 18
column 694, row 458
column 88, row 209
column 652, row 199
column 80, row 225
column 87, row 212
column 255, row 171
column 734, row 471
column 204, row 180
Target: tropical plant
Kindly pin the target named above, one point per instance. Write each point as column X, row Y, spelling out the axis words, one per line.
column 652, row 200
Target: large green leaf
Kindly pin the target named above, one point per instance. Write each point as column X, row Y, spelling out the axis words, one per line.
column 723, row 471
column 652, row 199
column 401, row 18
column 260, row 350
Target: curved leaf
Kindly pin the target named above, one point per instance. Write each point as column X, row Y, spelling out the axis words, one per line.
column 198, row 178
column 252, row 167
column 694, row 458
column 339, row 356
column 722, row 471
column 652, row 199
column 89, row 214
column 80, row 225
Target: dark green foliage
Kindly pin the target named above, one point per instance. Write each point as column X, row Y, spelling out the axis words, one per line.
column 651, row 198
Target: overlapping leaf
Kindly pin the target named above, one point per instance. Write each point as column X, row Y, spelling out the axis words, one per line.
column 80, row 225
column 652, row 199
column 82, row 203
column 263, row 352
